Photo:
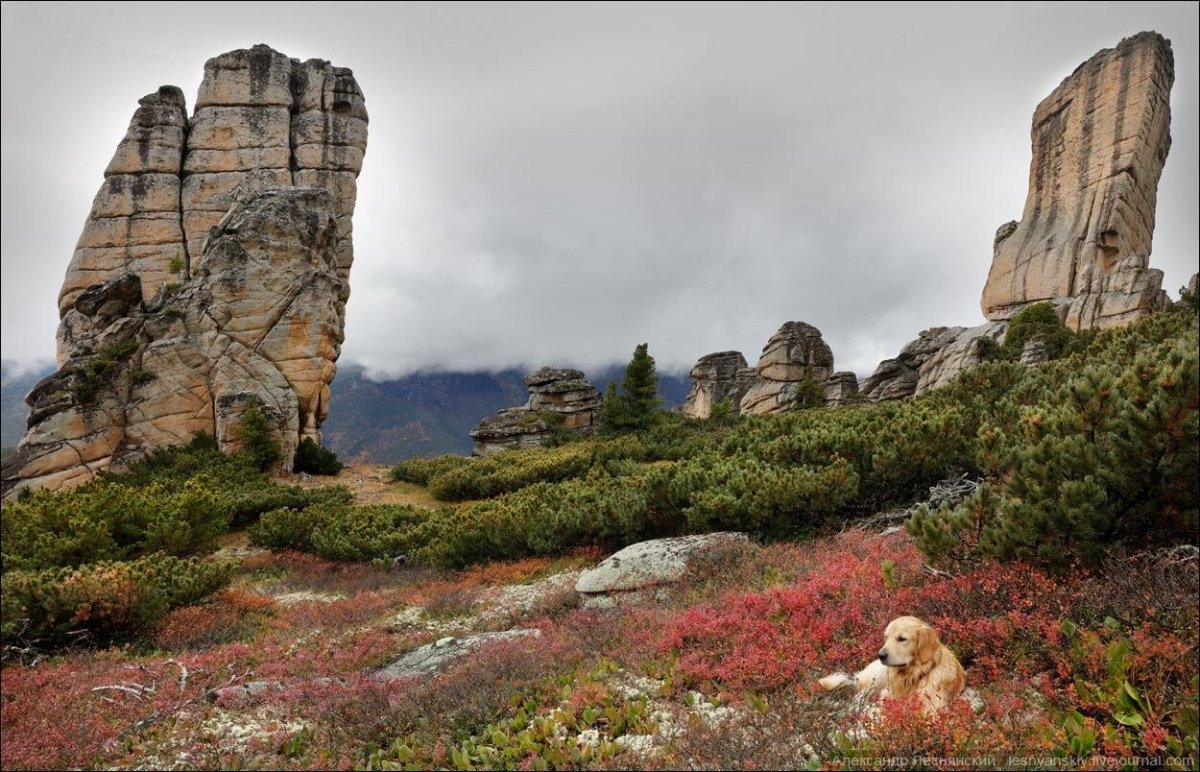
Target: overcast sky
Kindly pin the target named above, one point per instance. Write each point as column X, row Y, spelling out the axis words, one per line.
column 555, row 183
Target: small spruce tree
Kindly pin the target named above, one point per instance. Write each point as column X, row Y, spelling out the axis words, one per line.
column 636, row 404
column 259, row 445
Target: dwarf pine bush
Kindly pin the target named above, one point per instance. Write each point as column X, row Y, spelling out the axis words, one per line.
column 1095, row 452
column 312, row 458
column 106, row 600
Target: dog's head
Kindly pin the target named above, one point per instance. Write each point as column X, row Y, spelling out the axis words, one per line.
column 908, row 641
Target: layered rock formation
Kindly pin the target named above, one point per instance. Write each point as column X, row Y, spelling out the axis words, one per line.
column 720, row 377
column 841, row 389
column 795, row 358
column 933, row 359
column 212, row 272
column 1099, row 144
column 558, row 399
column 795, row 370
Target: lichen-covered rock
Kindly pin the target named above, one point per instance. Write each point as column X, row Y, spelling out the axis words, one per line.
column 573, row 400
column 427, row 659
column 558, row 399
column 795, row 362
column 134, row 224
column 956, row 354
column 1099, row 144
column 259, row 322
column 898, row 378
column 651, row 563
column 720, row 377
column 933, row 359
column 841, row 389
column 212, row 272
column 1033, row 353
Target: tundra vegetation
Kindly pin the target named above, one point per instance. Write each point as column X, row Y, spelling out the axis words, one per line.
column 1066, row 584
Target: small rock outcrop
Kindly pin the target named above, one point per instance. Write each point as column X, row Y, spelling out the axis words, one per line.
column 1099, row 144
column 897, row 378
column 795, row 362
column 959, row 354
column 648, row 564
column 933, row 359
column 841, row 389
column 558, row 399
column 720, row 377
column 426, row 660
column 212, row 272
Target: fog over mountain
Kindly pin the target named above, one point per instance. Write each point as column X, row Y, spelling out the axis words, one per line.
column 555, row 183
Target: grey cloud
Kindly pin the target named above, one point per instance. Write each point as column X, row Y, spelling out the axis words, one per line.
column 559, row 182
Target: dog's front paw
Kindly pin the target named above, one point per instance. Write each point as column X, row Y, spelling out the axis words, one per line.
column 837, row 681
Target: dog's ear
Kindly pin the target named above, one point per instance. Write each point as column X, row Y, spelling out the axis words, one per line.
column 927, row 643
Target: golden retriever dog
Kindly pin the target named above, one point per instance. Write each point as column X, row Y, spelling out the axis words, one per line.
column 912, row 660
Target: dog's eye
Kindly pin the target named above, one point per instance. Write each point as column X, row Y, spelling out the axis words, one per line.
column 900, row 638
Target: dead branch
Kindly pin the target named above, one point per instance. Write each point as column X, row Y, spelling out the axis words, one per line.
column 183, row 673
column 936, row 571
column 137, row 690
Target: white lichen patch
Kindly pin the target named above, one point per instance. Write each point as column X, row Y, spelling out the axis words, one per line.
column 306, row 596
column 233, row 731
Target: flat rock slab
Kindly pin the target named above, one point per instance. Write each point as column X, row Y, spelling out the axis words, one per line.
column 649, row 563
column 427, row 659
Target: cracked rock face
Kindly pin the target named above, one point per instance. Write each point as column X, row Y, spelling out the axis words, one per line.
column 720, row 377
column 933, row 359
column 1099, row 144
column 212, row 272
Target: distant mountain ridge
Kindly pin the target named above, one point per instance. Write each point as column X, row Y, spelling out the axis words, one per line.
column 424, row 414
column 15, row 383
column 428, row 414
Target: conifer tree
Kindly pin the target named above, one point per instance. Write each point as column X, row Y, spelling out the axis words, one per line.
column 636, row 404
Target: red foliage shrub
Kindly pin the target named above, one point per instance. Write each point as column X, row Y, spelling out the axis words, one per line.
column 229, row 615
column 1017, row 629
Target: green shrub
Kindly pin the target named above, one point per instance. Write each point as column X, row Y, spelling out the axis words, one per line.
column 541, row 519
column 745, row 493
column 176, row 500
column 338, row 531
column 1086, row 456
column 107, row 600
column 286, row 528
column 140, row 377
column 257, row 437
column 314, row 459
column 107, row 521
column 1037, row 320
column 422, row 470
column 248, row 492
column 379, row 531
